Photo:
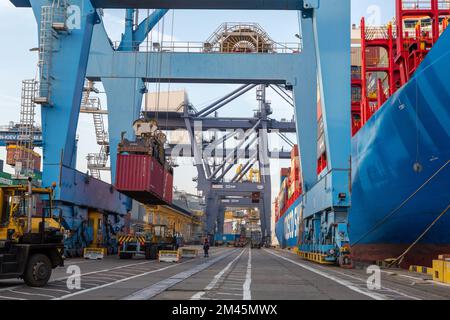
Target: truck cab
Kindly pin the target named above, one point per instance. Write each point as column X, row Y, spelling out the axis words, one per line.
column 31, row 240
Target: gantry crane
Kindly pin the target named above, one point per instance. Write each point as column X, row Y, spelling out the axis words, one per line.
column 327, row 198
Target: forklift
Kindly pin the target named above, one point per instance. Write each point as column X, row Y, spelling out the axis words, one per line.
column 31, row 240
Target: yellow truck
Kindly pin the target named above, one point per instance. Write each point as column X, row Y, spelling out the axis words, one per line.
column 148, row 242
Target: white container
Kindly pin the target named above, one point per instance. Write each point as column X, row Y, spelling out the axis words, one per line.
column 166, row 101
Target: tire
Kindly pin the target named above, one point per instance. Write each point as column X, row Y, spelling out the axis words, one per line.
column 123, row 255
column 38, row 270
column 154, row 252
column 148, row 253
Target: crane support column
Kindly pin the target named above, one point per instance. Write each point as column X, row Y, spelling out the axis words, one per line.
column 124, row 107
column 326, row 201
column 67, row 69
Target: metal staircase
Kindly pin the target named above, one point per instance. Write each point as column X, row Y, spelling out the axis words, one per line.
column 25, row 144
column 53, row 23
column 96, row 161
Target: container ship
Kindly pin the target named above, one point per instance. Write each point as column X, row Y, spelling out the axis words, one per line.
column 400, row 144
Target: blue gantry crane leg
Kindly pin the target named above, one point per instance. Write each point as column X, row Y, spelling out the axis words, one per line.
column 327, row 200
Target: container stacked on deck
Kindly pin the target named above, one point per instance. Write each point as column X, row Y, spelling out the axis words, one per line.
column 290, row 186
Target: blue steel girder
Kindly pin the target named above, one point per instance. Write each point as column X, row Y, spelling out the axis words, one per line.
column 124, row 98
column 197, row 4
column 11, row 136
column 132, row 38
column 194, row 67
column 332, row 53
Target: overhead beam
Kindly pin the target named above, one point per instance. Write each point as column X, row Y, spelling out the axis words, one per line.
column 175, row 122
column 239, row 203
column 193, row 4
column 201, row 4
column 240, row 188
column 182, row 67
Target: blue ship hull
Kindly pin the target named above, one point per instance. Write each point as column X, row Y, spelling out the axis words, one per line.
column 401, row 169
column 287, row 228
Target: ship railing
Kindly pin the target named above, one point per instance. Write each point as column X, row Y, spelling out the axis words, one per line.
column 444, row 4
column 205, row 47
column 377, row 33
column 416, row 4
column 424, row 4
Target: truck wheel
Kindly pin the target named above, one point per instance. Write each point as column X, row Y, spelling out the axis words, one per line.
column 151, row 252
column 38, row 270
column 125, row 255
column 148, row 253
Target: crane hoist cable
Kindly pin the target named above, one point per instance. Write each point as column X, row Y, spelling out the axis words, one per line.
column 170, row 69
column 158, row 81
column 148, row 59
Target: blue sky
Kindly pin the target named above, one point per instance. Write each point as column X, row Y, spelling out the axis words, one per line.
column 18, row 35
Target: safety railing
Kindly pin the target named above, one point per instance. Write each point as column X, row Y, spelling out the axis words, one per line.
column 416, row 4
column 205, row 47
column 425, row 4
column 377, row 33
column 444, row 4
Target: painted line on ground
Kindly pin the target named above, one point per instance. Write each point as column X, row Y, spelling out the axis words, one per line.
column 228, row 294
column 158, row 288
column 50, row 289
column 342, row 282
column 118, row 281
column 11, row 298
column 383, row 288
column 32, row 294
column 390, row 290
column 248, row 278
column 216, row 278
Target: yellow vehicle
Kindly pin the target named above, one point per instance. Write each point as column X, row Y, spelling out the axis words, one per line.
column 148, row 242
column 31, row 241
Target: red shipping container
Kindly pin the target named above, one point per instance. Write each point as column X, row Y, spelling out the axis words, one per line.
column 284, row 172
column 294, row 152
column 168, row 187
column 14, row 152
column 140, row 177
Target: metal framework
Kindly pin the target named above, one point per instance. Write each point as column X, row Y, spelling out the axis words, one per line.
column 96, row 162
column 214, row 164
column 392, row 53
column 123, row 75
